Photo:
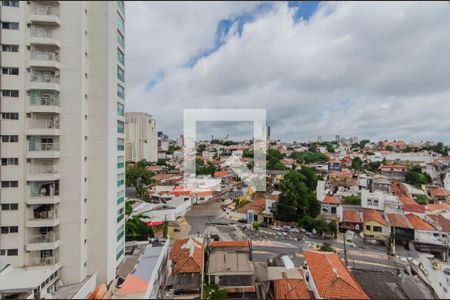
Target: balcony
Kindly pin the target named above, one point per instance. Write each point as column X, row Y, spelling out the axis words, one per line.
column 36, row 261
column 44, row 36
column 44, row 14
column 43, row 150
column 42, row 172
column 47, row 125
column 43, row 218
column 44, row 102
column 44, row 80
column 44, row 59
column 40, row 242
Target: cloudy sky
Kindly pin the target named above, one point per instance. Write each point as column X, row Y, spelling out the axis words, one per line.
column 374, row 70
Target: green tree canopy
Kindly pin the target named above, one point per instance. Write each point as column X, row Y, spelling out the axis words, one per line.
column 415, row 177
column 273, row 160
column 357, row 164
column 309, row 157
column 137, row 176
column 363, row 143
column 352, row 199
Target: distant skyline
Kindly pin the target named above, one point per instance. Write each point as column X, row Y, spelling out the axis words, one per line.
column 375, row 70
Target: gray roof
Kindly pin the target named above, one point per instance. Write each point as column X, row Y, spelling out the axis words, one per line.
column 230, row 262
column 148, row 262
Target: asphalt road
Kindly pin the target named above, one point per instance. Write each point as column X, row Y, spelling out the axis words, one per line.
column 200, row 216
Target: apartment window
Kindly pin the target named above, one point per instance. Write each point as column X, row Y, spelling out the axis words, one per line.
column 120, row 179
column 120, row 127
column 120, row 23
column 14, row 161
column 10, row 25
column 9, row 229
column 367, row 227
column 10, row 184
column 120, row 56
column 375, row 202
column 10, row 206
column 120, row 197
column 12, row 3
column 10, row 116
column 369, row 201
column 10, row 71
column 9, row 252
column 10, row 48
column 120, row 109
column 120, row 162
column 120, row 91
column 120, row 39
column 10, row 93
column 120, row 74
column 120, row 145
column 10, row 138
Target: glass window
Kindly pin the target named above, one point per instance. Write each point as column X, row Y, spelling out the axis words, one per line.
column 120, row 23
column 10, row 25
column 120, row 74
column 10, row 48
column 10, row 93
column 10, row 161
column 120, row 39
column 120, row 144
column 10, row 116
column 121, row 6
column 120, row 91
column 120, row 109
column 13, row 3
column 10, row 71
column 120, row 56
column 367, row 227
column 120, row 127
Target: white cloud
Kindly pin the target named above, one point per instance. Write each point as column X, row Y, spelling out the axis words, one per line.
column 373, row 70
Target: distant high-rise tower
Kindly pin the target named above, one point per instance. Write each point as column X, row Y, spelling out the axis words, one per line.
column 338, row 138
column 268, row 133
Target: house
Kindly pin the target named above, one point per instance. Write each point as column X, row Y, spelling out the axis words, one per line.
column 187, row 266
column 395, row 145
column 440, row 222
column 143, row 273
column 351, row 219
column 291, row 285
column 426, row 237
column 380, row 183
column 334, row 165
column 329, row 204
column 375, row 229
column 231, row 268
column 327, row 276
column 401, row 227
column 379, row 200
column 394, row 172
column 341, row 178
column 438, row 194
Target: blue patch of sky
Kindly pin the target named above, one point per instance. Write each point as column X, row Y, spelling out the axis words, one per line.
column 305, row 9
column 224, row 26
column 159, row 76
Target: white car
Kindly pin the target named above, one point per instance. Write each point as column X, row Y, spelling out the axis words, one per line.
column 294, row 230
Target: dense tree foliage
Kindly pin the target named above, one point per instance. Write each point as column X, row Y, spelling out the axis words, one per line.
column 415, row 177
column 247, row 153
column 137, row 176
column 363, row 143
column 224, row 143
column 204, row 169
column 373, row 166
column 357, row 164
column 298, row 198
column 212, row 291
column 352, row 200
column 172, row 149
column 422, row 199
column 309, row 157
column 273, row 160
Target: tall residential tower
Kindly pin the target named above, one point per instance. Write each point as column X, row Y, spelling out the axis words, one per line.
column 62, row 137
column 141, row 137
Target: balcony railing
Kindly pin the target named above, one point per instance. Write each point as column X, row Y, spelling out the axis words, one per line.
column 44, row 261
column 43, row 147
column 40, row 76
column 44, row 55
column 43, row 169
column 40, row 32
column 47, row 10
column 120, row 217
column 44, row 215
column 50, row 237
column 48, row 123
column 45, row 99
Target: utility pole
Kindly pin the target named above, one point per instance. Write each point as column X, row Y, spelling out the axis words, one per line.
column 345, row 248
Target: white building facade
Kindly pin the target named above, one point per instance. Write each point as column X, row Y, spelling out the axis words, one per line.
column 62, row 137
column 141, row 137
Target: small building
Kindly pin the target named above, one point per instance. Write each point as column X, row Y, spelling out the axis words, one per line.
column 329, row 204
column 438, row 194
column 327, row 276
column 334, row 165
column 400, row 226
column 351, row 220
column 394, row 172
column 375, row 229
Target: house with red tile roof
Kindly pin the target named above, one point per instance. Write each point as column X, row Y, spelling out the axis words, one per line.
column 290, row 289
column 394, row 171
column 440, row 222
column 351, row 219
column 375, row 227
column 328, row 277
column 426, row 237
column 438, row 194
column 401, row 227
column 242, row 245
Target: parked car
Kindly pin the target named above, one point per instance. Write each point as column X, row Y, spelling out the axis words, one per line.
column 242, row 220
column 294, row 230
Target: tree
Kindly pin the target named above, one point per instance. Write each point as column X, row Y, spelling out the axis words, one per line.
column 330, row 149
column 389, row 148
column 363, row 143
column 373, row 166
column 352, row 200
column 137, row 177
column 357, row 164
column 212, row 291
column 247, row 153
column 356, row 146
column 162, row 162
column 165, row 229
column 201, row 148
column 273, row 160
column 172, row 149
column 309, row 157
column 326, row 247
column 422, row 199
column 143, row 163
column 297, row 198
column 136, row 229
column 256, row 225
column 415, row 177
column 204, row 169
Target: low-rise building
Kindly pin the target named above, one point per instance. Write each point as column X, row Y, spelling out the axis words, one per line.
column 394, row 172
column 327, row 277
column 351, row 219
column 375, row 229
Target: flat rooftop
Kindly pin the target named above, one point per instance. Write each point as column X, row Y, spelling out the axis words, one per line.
column 230, row 262
column 17, row 279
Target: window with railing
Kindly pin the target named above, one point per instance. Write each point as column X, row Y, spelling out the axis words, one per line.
column 44, row 122
column 44, row 189
column 120, row 39
column 120, row 56
column 41, row 32
column 120, row 198
column 44, row 76
column 43, row 144
column 121, row 6
column 121, row 233
column 120, row 109
column 120, row 91
column 120, row 162
column 120, row 179
column 120, row 23
column 44, row 9
column 120, row 74
column 120, row 215
column 44, row 55
column 44, row 97
column 119, row 253
column 120, row 144
column 120, row 127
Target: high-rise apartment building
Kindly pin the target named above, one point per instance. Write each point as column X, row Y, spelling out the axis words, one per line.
column 62, row 137
column 141, row 137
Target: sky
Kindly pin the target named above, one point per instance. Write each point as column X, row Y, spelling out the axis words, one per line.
column 372, row 70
